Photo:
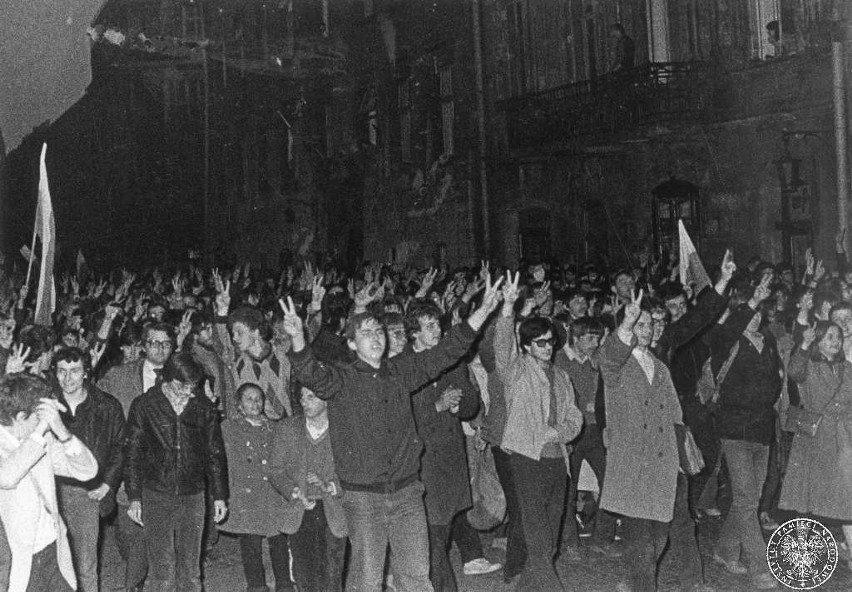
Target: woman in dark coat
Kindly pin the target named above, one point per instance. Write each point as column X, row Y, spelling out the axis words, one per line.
column 256, row 509
column 819, row 474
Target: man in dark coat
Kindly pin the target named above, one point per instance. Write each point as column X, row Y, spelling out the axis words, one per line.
column 438, row 409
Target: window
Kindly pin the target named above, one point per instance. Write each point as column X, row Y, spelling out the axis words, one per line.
column 447, row 108
column 761, row 13
column 404, row 98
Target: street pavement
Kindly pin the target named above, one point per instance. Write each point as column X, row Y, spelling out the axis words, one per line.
column 223, row 570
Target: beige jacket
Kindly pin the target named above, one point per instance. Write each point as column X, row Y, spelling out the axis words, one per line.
column 527, row 392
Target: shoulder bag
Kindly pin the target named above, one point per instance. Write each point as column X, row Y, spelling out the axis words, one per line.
column 806, row 423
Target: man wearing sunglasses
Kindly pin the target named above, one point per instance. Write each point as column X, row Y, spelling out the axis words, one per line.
column 541, row 417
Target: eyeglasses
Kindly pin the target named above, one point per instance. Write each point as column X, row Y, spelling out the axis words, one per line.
column 544, row 342
column 159, row 344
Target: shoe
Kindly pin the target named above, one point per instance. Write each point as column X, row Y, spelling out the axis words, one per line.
column 499, row 543
column 764, row 581
column 480, row 566
column 712, row 512
column 571, row 554
column 734, row 567
column 608, row 551
column 767, row 523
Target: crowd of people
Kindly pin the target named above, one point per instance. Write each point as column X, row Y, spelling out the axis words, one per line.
column 333, row 415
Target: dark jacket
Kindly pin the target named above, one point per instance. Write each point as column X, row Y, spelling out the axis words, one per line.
column 444, row 464
column 99, row 423
column 753, row 383
column 174, row 454
column 371, row 424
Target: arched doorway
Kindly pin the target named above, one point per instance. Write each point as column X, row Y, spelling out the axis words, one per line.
column 675, row 200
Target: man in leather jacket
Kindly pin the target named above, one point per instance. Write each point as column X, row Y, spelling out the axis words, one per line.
column 97, row 420
column 174, row 446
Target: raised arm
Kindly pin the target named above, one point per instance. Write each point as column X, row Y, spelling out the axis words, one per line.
column 420, row 368
column 800, row 357
column 321, row 378
column 710, row 304
column 615, row 350
column 505, row 343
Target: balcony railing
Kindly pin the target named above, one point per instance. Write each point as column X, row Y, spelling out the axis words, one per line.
column 613, row 104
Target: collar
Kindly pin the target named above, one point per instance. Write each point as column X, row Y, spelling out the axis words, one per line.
column 574, row 355
column 362, row 366
column 267, row 349
column 147, row 366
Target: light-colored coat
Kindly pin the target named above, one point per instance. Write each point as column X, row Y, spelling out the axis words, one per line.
column 27, row 481
column 819, row 473
column 527, row 393
column 642, row 460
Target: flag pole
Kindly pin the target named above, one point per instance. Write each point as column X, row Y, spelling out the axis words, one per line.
column 32, row 248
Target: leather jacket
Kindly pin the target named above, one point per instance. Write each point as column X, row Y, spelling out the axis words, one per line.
column 175, row 454
column 99, row 423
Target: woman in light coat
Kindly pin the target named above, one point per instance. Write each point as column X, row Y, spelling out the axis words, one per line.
column 819, row 473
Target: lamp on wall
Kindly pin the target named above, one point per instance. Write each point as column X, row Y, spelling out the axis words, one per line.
column 788, row 169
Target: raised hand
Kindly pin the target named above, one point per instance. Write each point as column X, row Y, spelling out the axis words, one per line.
column 809, row 262
column 99, row 289
column 317, row 294
column 292, row 324
column 366, row 295
column 762, row 291
column 806, row 302
column 819, row 272
column 490, row 300
column 728, row 265
column 217, row 280
column 184, row 328
column 223, row 299
column 17, row 360
column 633, row 310
column 510, row 292
column 483, row 271
column 808, row 336
column 472, row 289
column 97, row 352
column 426, row 282
column 541, row 294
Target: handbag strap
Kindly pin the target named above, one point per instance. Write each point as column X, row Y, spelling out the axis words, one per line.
column 723, row 371
column 836, row 392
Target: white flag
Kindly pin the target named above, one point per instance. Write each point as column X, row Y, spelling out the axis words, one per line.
column 691, row 269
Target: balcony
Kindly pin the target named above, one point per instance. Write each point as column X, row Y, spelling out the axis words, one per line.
column 612, row 105
column 621, row 105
